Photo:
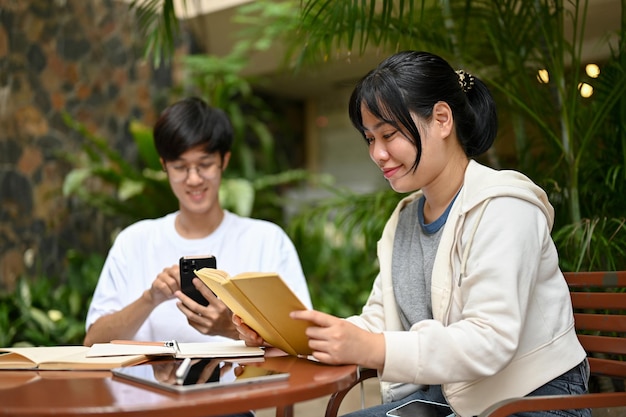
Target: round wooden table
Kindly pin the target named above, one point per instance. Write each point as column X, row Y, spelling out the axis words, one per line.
column 99, row 393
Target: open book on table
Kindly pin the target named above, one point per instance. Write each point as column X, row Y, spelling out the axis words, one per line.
column 178, row 350
column 62, row 358
column 264, row 302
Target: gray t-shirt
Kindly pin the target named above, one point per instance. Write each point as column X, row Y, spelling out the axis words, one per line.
column 414, row 250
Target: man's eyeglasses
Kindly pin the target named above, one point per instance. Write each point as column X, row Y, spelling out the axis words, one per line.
column 206, row 170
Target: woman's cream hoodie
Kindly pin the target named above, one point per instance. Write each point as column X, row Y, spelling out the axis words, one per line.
column 502, row 318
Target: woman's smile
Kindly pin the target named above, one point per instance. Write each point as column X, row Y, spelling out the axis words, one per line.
column 389, row 172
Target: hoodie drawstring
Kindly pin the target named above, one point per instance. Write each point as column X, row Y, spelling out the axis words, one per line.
column 469, row 243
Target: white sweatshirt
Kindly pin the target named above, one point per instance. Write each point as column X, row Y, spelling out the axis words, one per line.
column 502, row 318
column 142, row 250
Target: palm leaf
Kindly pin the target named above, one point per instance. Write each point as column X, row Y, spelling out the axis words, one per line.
column 159, row 25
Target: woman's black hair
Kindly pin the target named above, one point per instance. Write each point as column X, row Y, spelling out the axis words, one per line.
column 413, row 82
column 189, row 123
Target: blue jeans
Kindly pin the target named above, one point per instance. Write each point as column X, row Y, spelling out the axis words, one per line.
column 575, row 381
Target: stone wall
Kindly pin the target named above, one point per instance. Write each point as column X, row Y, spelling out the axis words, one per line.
column 83, row 57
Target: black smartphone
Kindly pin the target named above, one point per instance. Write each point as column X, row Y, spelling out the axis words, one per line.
column 192, row 376
column 188, row 264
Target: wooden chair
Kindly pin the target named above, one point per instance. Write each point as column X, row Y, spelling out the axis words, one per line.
column 599, row 300
column 334, row 402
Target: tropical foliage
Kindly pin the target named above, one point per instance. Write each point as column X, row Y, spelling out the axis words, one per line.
column 574, row 146
column 48, row 311
column 336, row 240
column 115, row 186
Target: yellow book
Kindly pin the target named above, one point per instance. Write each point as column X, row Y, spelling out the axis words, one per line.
column 62, row 358
column 264, row 302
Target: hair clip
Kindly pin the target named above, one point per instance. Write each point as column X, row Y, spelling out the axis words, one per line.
column 466, row 80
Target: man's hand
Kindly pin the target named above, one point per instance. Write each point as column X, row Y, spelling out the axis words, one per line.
column 164, row 286
column 214, row 319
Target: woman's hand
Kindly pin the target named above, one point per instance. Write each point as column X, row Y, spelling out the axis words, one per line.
column 337, row 341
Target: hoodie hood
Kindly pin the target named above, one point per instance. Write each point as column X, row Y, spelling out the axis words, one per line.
column 483, row 183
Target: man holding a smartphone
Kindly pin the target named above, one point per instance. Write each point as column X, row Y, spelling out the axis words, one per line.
column 138, row 295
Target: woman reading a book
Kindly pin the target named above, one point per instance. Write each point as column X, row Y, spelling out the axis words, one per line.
column 469, row 307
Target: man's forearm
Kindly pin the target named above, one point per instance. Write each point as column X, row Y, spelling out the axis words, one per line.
column 122, row 324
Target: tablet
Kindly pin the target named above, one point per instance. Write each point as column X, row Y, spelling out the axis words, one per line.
column 198, row 374
column 421, row 408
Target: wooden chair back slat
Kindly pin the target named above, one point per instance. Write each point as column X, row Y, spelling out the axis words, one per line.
column 611, row 279
column 601, row 322
column 600, row 300
column 511, row 406
column 608, row 367
column 603, row 344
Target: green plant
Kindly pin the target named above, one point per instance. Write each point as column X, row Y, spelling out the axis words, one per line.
column 336, row 239
column 104, row 179
column 160, row 26
column 47, row 311
column 596, row 244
